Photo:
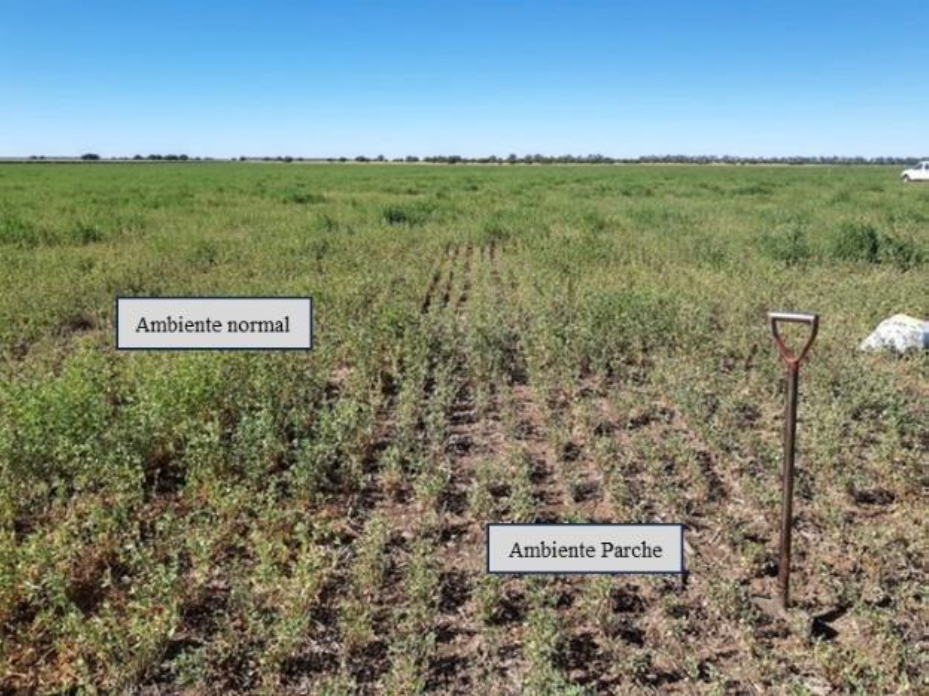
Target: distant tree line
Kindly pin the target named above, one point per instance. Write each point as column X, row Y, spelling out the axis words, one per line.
column 647, row 159
column 93, row 157
column 167, row 158
column 522, row 159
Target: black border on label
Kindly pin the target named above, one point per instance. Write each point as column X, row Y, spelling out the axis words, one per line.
column 682, row 571
column 214, row 297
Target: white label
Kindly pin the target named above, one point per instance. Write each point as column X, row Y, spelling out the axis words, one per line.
column 585, row 548
column 214, row 323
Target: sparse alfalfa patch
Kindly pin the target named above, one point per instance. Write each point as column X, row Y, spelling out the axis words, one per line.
column 79, row 321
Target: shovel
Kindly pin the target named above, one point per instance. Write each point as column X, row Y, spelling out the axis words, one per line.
column 793, row 361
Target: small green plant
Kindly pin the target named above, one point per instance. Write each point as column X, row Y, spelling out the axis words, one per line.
column 487, row 597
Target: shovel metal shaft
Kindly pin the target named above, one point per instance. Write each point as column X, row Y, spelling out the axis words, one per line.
column 790, row 437
column 792, row 360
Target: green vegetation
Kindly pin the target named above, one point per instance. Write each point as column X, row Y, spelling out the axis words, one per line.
column 493, row 344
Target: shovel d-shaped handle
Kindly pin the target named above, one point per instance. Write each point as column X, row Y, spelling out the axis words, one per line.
column 812, row 320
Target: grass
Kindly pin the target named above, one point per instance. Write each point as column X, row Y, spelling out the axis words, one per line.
column 493, row 344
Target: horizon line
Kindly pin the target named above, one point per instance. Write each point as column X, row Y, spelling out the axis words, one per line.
column 527, row 158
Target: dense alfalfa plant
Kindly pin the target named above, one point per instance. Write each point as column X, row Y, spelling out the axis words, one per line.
column 904, row 253
column 790, row 247
column 494, row 231
column 257, row 445
column 15, row 230
column 617, row 328
column 63, row 434
column 863, row 242
column 85, row 231
column 409, row 214
column 304, row 197
column 857, row 241
column 330, row 458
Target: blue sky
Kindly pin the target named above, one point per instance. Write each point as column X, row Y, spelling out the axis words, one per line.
column 224, row 78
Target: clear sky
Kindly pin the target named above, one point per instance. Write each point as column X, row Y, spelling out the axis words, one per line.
column 468, row 77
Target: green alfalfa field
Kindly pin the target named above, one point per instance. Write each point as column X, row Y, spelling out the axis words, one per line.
column 509, row 343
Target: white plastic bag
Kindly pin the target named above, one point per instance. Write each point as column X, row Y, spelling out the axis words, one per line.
column 900, row 333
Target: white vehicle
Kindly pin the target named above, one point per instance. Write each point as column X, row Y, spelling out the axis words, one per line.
column 918, row 173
